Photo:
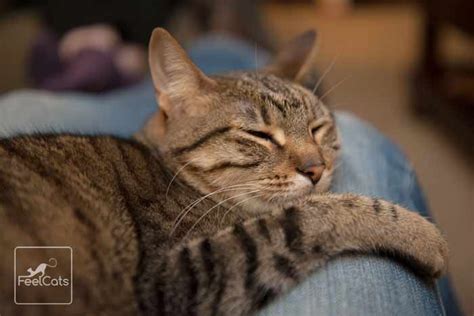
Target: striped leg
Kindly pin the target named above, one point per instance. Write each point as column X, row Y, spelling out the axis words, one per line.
column 242, row 268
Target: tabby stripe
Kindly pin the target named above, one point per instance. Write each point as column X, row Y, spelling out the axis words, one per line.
column 36, row 166
column 160, row 291
column 307, row 104
column 258, row 293
column 264, row 114
column 132, row 200
column 30, row 162
column 126, row 160
column 11, row 202
column 96, row 146
column 202, row 140
column 284, row 265
column 82, row 218
column 291, row 229
column 244, row 141
column 262, row 296
column 95, row 258
column 220, row 292
column 145, row 199
column 148, row 159
column 207, row 256
column 263, row 229
column 124, row 193
column 250, row 249
column 188, row 268
column 280, row 107
column 160, row 295
column 153, row 170
column 128, row 197
column 228, row 164
column 393, row 210
column 348, row 203
column 268, row 99
column 247, row 142
column 317, row 249
column 376, row 205
column 49, row 173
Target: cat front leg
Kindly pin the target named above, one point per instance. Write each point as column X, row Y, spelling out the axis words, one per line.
column 242, row 268
column 364, row 224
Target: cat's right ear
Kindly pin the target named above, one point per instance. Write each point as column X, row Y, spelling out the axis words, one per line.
column 175, row 77
column 295, row 58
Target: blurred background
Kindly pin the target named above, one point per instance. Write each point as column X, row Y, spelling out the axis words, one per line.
column 408, row 68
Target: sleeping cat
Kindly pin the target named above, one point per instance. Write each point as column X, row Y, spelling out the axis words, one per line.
column 216, row 207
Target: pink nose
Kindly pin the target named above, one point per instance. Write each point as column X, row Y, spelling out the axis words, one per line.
column 312, row 172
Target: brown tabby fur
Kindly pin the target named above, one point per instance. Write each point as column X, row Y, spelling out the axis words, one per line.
column 117, row 203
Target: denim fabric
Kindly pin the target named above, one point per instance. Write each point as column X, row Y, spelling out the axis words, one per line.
column 366, row 284
column 370, row 164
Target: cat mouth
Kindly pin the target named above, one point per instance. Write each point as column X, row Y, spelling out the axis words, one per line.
column 299, row 188
column 280, row 197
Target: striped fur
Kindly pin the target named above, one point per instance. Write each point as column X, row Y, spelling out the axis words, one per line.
column 207, row 211
column 106, row 198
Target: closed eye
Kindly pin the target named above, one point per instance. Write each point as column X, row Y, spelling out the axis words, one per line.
column 262, row 135
column 314, row 130
column 318, row 126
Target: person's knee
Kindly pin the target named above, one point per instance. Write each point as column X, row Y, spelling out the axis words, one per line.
column 360, row 285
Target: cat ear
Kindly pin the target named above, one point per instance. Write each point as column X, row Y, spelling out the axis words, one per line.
column 295, row 58
column 175, row 77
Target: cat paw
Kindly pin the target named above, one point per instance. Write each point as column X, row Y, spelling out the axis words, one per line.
column 427, row 247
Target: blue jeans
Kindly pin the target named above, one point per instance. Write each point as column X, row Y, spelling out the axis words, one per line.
column 369, row 165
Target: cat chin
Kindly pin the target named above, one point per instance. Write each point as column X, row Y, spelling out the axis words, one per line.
column 257, row 206
column 262, row 206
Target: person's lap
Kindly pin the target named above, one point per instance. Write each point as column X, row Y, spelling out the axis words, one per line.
column 370, row 165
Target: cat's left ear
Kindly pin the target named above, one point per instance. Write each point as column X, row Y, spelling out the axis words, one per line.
column 295, row 58
column 175, row 77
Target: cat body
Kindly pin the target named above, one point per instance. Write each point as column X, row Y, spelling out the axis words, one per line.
column 216, row 207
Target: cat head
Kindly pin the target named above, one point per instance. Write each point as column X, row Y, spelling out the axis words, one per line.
column 254, row 135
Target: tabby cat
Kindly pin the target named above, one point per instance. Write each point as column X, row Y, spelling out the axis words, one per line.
column 216, row 207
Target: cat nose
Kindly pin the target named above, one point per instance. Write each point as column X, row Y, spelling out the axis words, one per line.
column 312, row 171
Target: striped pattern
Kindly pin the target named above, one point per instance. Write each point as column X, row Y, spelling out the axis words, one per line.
column 200, row 141
column 272, row 94
column 112, row 200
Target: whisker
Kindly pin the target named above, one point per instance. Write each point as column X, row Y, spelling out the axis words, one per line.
column 228, row 188
column 333, row 87
column 235, row 205
column 176, row 174
column 188, row 208
column 328, row 69
column 215, row 206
